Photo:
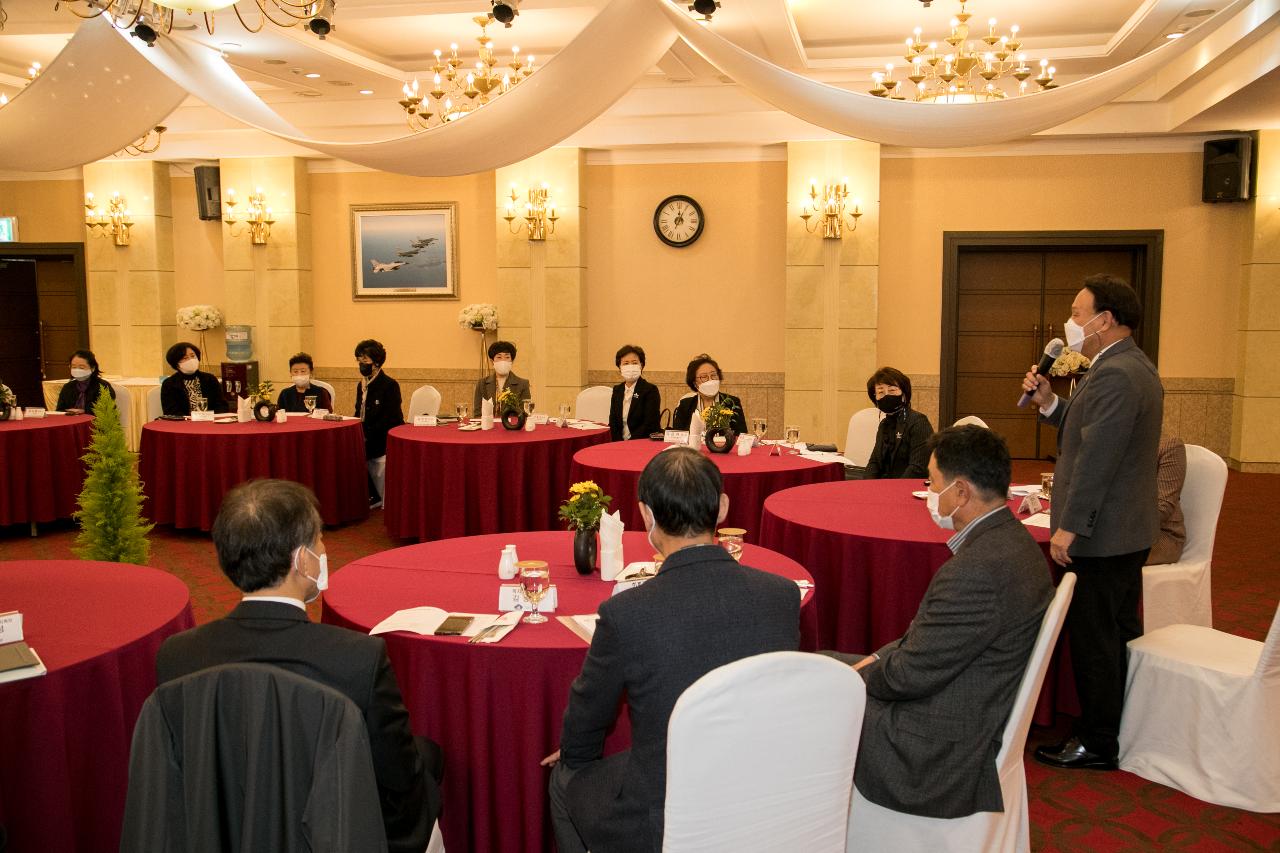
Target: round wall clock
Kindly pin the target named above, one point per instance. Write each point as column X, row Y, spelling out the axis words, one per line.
column 678, row 221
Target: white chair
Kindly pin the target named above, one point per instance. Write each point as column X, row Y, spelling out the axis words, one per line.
column 425, row 401
column 875, row 828
column 760, row 756
column 1179, row 593
column 154, row 408
column 333, row 398
column 1200, row 714
column 861, row 437
column 124, row 405
column 593, row 404
column 972, row 419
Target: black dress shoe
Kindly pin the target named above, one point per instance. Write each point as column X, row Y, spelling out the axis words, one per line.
column 1073, row 754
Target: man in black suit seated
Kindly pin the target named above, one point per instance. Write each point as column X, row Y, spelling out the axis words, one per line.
column 939, row 697
column 702, row 611
column 268, row 538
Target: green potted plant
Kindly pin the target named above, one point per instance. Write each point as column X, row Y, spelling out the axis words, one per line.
column 581, row 512
column 110, row 504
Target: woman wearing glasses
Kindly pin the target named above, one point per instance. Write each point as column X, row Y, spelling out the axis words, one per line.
column 703, row 378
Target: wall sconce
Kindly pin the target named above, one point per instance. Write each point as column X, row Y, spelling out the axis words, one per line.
column 258, row 217
column 829, row 204
column 114, row 223
column 538, row 211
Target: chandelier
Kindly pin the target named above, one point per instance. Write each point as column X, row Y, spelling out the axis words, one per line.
column 146, row 19
column 148, row 143
column 965, row 70
column 455, row 90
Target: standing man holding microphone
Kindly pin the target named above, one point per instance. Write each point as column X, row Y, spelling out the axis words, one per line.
column 1104, row 514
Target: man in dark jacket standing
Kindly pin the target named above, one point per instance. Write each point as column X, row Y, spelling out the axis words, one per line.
column 702, row 611
column 268, row 539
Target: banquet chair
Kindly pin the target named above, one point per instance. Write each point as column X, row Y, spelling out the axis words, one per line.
column 861, row 437
column 1200, row 714
column 425, row 401
column 1179, row 593
column 801, row 715
column 971, row 419
column 154, row 408
column 333, row 398
column 875, row 828
column 124, row 406
column 593, row 404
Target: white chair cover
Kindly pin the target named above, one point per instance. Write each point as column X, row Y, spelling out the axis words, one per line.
column 333, row 398
column 593, row 404
column 1200, row 714
column 124, row 403
column 875, row 828
column 1178, row 593
column 436, row 843
column 972, row 419
column 154, row 407
column 861, row 437
column 760, row 756
column 425, row 401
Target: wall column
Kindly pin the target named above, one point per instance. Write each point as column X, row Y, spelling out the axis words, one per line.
column 1255, row 442
column 542, row 287
column 831, row 292
column 269, row 287
column 131, row 303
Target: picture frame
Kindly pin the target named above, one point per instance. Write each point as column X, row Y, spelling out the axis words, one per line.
column 404, row 251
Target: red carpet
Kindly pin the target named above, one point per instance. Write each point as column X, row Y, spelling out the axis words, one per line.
column 1070, row 811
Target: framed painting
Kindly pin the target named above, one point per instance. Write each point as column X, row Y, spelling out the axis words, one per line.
column 404, row 251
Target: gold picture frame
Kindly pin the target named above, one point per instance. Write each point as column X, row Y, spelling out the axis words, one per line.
column 404, row 251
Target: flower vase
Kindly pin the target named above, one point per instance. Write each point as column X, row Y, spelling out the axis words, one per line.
column 513, row 420
column 585, row 550
column 720, row 440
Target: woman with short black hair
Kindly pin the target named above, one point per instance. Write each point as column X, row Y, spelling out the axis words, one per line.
column 635, row 408
column 502, row 357
column 189, row 387
column 703, row 377
column 85, row 386
column 902, row 440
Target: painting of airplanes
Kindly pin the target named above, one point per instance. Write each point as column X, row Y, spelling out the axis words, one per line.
column 404, row 251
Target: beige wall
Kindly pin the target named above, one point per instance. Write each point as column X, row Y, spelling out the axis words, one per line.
column 922, row 198
column 47, row 211
column 197, row 266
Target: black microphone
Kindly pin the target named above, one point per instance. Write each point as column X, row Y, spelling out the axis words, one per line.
column 1052, row 350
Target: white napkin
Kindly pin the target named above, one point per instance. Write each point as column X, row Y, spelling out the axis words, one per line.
column 611, row 528
column 486, row 414
column 244, row 410
column 697, row 427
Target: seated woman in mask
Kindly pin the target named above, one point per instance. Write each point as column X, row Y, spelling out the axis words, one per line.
column 502, row 355
column 189, row 387
column 703, row 378
column 635, row 409
column 901, row 450
column 86, row 384
column 293, row 398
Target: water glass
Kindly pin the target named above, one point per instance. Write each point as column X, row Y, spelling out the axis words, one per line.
column 309, row 403
column 564, row 411
column 731, row 539
column 463, row 411
column 535, row 580
column 792, row 437
column 1046, row 486
column 758, row 428
column 200, row 404
column 528, row 408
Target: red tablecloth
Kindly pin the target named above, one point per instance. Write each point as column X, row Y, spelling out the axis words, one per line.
column 873, row 549
column 65, row 736
column 187, row 467
column 496, row 710
column 42, row 468
column 748, row 480
column 443, row 482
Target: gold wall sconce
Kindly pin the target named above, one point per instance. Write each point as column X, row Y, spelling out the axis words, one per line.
column 829, row 204
column 115, row 222
column 539, row 210
column 257, row 216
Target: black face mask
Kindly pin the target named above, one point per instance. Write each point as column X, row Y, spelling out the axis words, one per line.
column 366, row 369
column 890, row 403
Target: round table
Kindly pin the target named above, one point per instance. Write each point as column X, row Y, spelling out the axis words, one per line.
column 495, row 709
column 444, row 482
column 873, row 549
column 65, row 736
column 748, row 480
column 43, row 473
column 187, row 467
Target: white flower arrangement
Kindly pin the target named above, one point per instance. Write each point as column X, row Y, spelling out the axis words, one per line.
column 480, row 316
column 199, row 318
column 7, row 396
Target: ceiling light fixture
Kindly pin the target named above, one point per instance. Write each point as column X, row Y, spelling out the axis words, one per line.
column 148, row 19
column 705, row 8
column 366, row 91
column 311, row 75
column 505, row 11
column 1174, row 35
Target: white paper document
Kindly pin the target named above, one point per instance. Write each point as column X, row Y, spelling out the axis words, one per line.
column 587, row 622
column 425, row 621
column 1040, row 519
column 26, row 671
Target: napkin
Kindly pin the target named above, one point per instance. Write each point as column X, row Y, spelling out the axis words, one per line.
column 508, row 623
column 611, row 528
column 244, row 410
column 696, row 429
column 486, row 414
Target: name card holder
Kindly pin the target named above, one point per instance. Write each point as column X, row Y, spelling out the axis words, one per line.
column 34, row 412
column 676, row 436
column 540, row 419
column 424, row 420
column 10, row 627
column 511, row 597
column 202, row 417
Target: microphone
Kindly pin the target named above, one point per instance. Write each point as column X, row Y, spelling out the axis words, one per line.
column 1052, row 350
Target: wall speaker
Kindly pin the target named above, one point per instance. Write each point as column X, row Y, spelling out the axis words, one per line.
column 209, row 192
column 1230, row 169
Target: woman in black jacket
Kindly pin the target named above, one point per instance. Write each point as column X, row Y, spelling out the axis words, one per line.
column 635, row 409
column 378, row 406
column 902, row 440
column 703, row 377
column 86, row 384
column 293, row 398
column 183, row 391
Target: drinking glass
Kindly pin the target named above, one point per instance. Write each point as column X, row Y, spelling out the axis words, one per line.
column 657, row 563
column 309, row 403
column 1046, row 486
column 463, row 410
column 759, row 427
column 731, row 539
column 792, row 438
column 564, row 411
column 528, row 408
column 535, row 580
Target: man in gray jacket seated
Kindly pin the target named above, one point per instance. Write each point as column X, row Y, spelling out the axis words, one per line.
column 939, row 697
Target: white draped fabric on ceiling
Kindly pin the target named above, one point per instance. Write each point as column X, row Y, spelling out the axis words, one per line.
column 111, row 83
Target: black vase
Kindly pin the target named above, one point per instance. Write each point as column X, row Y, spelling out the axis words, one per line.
column 265, row 410
column 720, row 440
column 585, row 546
column 514, row 420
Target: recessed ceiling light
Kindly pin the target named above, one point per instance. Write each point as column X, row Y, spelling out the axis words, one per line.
column 307, row 94
column 1201, row 13
column 311, row 75
column 366, row 91
column 1174, row 35
column 274, row 62
column 338, row 82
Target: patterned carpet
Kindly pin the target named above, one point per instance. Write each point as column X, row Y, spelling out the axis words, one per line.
column 1070, row 811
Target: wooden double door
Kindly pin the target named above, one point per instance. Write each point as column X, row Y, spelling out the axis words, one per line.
column 43, row 315
column 1002, row 304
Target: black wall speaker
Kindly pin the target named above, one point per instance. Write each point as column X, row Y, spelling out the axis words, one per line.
column 209, row 192
column 1230, row 169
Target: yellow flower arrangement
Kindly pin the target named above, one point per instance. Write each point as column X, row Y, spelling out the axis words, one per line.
column 586, row 503
column 506, row 401
column 717, row 416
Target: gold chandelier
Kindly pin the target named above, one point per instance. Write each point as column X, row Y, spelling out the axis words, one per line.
column 456, row 91
column 146, row 19
column 965, row 70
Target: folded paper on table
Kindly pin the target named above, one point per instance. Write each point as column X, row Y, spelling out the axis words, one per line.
column 611, row 528
column 486, row 414
column 1021, row 491
column 587, row 426
column 503, row 625
column 425, row 621
column 1040, row 519
column 818, row 456
column 21, row 672
column 633, row 571
column 584, row 625
column 623, row 586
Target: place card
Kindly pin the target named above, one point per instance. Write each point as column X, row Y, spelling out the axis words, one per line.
column 1031, row 504
column 202, row 417
column 10, row 627
column 676, row 436
column 540, row 419
column 424, row 420
column 34, row 412
column 511, row 597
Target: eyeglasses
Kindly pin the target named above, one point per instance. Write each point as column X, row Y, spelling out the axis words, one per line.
column 705, row 377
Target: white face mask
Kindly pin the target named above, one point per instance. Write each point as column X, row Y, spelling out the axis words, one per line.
column 302, row 380
column 322, row 580
column 1075, row 332
column 710, row 388
column 630, row 372
column 502, row 367
column 189, row 365
column 946, row 522
column 81, row 373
